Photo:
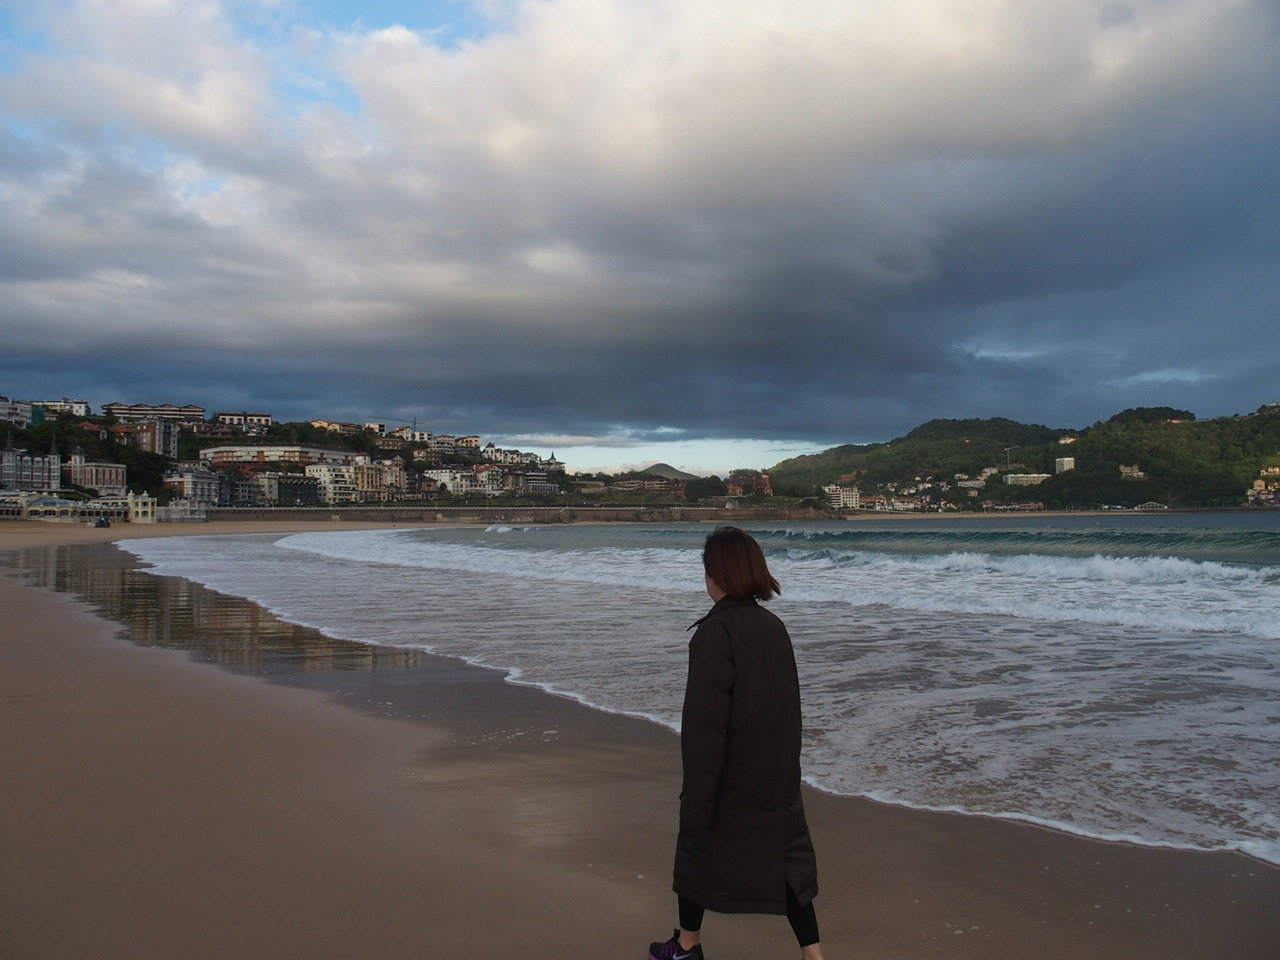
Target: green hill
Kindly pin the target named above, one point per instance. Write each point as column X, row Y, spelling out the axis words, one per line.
column 1005, row 432
column 939, row 448
column 1182, row 461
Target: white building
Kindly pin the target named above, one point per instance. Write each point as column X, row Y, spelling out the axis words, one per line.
column 194, row 484
column 77, row 408
column 21, row 471
column 442, row 443
column 1063, row 464
column 337, row 482
column 456, row 480
column 409, row 434
column 19, row 412
column 488, row 480
column 843, row 498
column 511, row 458
column 1025, row 479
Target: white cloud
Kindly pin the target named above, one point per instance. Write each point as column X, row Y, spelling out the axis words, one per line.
column 485, row 172
column 1170, row 375
column 620, row 190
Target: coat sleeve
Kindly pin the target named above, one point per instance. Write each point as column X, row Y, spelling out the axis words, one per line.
column 704, row 729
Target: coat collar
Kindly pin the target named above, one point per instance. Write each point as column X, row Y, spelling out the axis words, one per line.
column 723, row 603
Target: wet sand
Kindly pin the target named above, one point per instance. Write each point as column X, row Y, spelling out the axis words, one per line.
column 307, row 797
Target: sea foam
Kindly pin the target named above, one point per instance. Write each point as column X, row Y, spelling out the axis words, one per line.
column 1119, row 696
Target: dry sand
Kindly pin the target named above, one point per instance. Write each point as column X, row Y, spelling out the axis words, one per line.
column 154, row 806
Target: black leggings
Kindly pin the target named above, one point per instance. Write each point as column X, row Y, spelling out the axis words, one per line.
column 803, row 920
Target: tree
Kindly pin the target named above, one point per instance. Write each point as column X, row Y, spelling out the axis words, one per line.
column 705, row 488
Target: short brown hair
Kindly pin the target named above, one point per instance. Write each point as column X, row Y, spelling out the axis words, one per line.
column 734, row 561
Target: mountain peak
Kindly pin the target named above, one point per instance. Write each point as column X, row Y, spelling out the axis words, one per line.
column 668, row 471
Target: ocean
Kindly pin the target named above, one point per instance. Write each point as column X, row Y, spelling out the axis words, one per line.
column 1117, row 676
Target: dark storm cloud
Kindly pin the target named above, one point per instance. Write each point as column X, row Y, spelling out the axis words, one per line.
column 627, row 219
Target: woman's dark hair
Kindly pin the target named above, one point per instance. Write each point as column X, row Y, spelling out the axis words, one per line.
column 732, row 558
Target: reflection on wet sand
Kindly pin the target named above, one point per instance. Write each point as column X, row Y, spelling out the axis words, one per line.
column 178, row 614
column 514, row 739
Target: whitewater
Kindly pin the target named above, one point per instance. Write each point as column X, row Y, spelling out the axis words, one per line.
column 1117, row 677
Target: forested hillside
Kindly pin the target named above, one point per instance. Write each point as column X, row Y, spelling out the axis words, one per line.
column 66, row 433
column 1178, row 460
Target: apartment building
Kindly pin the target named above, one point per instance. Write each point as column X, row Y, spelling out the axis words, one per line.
column 195, row 484
column 77, row 408
column 251, row 423
column 337, row 426
column 237, row 489
column 20, row 412
column 287, row 489
column 379, row 480
column 488, row 480
column 457, row 481
column 443, row 443
column 163, row 412
column 410, row 435
column 21, row 471
column 209, row 430
column 152, row 436
column 275, row 453
column 336, row 482
column 843, row 498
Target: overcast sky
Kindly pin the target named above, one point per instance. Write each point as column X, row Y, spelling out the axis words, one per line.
column 709, row 233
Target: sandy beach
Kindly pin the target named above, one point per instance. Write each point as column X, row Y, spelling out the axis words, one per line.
column 155, row 804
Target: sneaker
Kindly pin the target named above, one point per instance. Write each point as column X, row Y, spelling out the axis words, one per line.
column 671, row 950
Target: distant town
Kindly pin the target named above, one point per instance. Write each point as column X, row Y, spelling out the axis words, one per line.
column 249, row 459
column 150, row 462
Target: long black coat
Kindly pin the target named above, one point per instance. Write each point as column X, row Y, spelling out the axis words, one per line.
column 743, row 836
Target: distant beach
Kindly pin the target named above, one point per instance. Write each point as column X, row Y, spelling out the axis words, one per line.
column 228, row 783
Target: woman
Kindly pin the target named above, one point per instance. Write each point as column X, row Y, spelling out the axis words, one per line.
column 743, row 844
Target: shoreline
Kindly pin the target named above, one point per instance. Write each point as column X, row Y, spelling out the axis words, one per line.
column 58, row 532
column 597, row 801
column 284, row 527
